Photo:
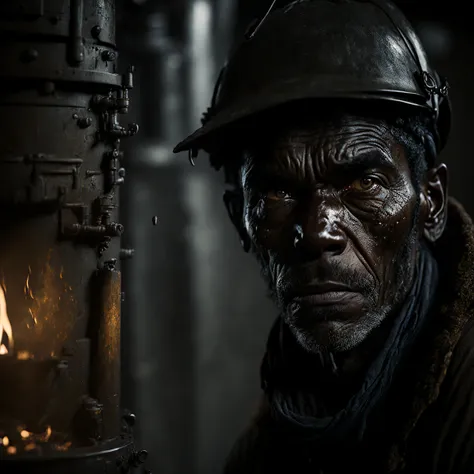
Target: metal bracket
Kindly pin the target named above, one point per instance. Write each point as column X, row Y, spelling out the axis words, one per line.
column 44, row 166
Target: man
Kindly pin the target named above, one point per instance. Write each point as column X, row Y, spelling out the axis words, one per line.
column 328, row 121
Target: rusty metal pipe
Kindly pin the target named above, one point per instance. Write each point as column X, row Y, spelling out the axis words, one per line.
column 105, row 386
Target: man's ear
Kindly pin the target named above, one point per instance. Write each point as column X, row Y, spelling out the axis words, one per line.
column 234, row 203
column 434, row 196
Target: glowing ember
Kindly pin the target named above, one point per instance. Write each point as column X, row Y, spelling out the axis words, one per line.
column 27, row 289
column 63, row 447
column 45, row 294
column 6, row 333
column 31, row 441
column 34, row 441
column 24, row 355
column 30, row 447
column 33, row 317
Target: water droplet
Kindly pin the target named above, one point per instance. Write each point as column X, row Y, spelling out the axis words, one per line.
column 155, row 220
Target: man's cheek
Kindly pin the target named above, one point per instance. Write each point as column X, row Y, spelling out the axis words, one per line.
column 269, row 225
column 256, row 223
column 389, row 234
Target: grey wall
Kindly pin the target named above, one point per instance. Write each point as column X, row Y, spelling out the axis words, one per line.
column 196, row 314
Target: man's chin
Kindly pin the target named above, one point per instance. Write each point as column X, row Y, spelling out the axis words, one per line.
column 322, row 335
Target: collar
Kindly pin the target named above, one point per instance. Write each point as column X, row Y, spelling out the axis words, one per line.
column 454, row 252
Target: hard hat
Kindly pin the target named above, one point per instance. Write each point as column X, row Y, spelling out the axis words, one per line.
column 314, row 49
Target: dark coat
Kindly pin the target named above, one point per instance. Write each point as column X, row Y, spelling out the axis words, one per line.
column 430, row 422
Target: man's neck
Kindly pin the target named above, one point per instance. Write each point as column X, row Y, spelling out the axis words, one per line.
column 340, row 375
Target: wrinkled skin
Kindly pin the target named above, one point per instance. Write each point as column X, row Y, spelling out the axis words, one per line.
column 334, row 201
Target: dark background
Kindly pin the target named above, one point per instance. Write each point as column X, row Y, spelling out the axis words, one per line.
column 195, row 311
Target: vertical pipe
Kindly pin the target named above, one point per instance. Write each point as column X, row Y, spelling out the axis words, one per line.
column 225, row 27
column 76, row 37
column 201, row 58
column 105, row 372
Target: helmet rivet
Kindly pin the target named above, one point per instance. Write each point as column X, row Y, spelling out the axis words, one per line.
column 428, row 81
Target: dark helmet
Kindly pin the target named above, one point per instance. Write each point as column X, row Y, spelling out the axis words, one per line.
column 311, row 49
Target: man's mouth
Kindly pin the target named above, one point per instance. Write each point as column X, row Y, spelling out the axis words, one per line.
column 326, row 293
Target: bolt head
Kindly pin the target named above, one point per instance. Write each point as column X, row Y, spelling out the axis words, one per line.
column 29, row 55
column 49, row 87
column 108, row 55
column 95, row 31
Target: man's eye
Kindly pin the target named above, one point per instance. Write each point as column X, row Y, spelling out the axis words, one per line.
column 278, row 194
column 367, row 183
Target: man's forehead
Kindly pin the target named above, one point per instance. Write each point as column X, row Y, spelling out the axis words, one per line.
column 343, row 129
column 342, row 139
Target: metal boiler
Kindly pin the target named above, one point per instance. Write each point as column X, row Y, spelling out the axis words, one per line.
column 61, row 165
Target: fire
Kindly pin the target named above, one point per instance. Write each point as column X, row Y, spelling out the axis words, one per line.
column 35, row 437
column 33, row 317
column 45, row 293
column 31, row 441
column 24, row 355
column 30, row 447
column 63, row 447
column 27, row 289
column 5, row 325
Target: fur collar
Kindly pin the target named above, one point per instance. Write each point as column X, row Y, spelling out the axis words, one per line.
column 455, row 254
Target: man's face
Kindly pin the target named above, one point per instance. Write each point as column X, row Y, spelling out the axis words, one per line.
column 331, row 213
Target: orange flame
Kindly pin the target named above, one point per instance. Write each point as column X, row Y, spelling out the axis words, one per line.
column 5, row 325
column 63, row 447
column 46, row 294
column 24, row 355
column 30, row 447
column 27, row 289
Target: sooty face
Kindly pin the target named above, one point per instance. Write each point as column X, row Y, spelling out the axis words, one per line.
column 333, row 217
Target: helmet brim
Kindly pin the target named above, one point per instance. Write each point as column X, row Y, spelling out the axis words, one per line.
column 279, row 96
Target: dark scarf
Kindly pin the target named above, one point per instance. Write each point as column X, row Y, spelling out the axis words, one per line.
column 293, row 406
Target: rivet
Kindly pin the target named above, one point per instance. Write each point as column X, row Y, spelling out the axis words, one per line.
column 29, row 55
column 95, row 31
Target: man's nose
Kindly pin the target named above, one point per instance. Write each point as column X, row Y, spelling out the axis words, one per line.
column 319, row 233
